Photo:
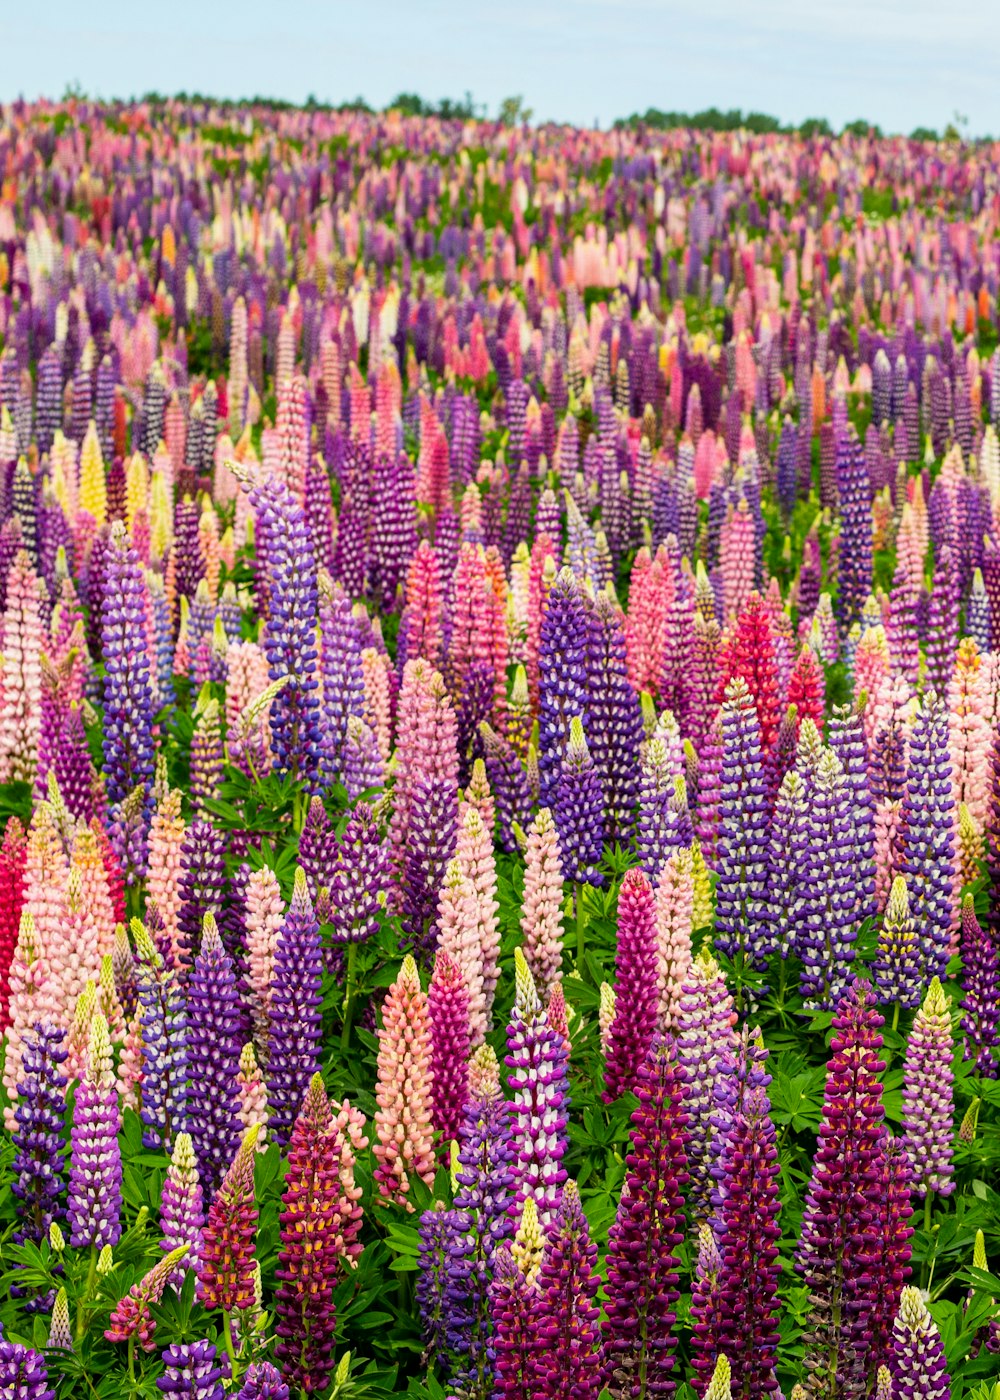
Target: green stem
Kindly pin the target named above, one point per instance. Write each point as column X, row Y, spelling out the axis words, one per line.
column 352, row 957
column 131, row 1360
column 227, row 1337
column 82, row 1308
column 928, row 1202
column 895, row 1017
column 580, row 928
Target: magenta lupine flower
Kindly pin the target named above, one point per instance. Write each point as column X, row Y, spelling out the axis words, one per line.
column 451, row 1036
column 928, row 1095
column 981, row 984
column 919, row 1367
column 296, row 992
column 705, row 1034
column 94, row 1202
column 842, row 1202
column 514, row 1303
column 636, row 995
column 888, row 1261
column 190, row 1372
column 131, row 1317
column 642, row 1264
column 568, row 1360
column 226, row 1262
column 704, row 1305
column 537, row 1059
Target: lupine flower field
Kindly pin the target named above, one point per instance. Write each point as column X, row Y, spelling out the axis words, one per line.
column 499, row 759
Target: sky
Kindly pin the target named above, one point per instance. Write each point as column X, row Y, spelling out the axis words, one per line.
column 899, row 63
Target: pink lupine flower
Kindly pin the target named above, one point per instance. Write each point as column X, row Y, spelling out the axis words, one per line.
column 478, row 863
column 403, row 1090
column 166, row 837
column 541, row 907
column 674, row 923
column 265, row 914
column 23, row 641
column 459, row 937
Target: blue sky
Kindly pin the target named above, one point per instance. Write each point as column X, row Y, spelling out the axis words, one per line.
column 901, row 63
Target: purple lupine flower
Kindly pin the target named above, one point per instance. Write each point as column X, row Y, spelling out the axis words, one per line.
column 854, row 489
column 537, row 1059
column 888, row 1260
column 562, row 677
column 788, row 854
column 263, row 1382
column 981, row 985
column 37, row 1182
column 439, row 1231
column 615, row 719
column 481, row 1221
column 361, row 769
column 163, row 1017
column 897, row 969
column 743, row 917
column 705, row 1305
column 919, row 1367
column 23, row 1375
column 847, row 740
column 514, row 1303
column 508, row 784
column 942, row 622
column 928, row 1095
column 705, row 1034
column 72, row 767
column 340, row 669
column 128, row 692
column 840, row 1221
column 828, row 926
column 928, row 823
column 95, row 1177
column 360, row 879
column 568, row 1360
column 636, row 995
column 213, row 1053
column 578, row 810
column 182, row 1214
column 642, row 1273
column 190, row 1372
column 746, row 1294
column 430, row 845
column 296, row 993
column 977, row 613
column 202, row 884
column 661, row 828
column 393, row 529
column 318, row 849
column 290, row 637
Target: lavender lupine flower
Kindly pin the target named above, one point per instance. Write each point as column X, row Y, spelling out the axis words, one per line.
column 37, row 1181
column 568, row 1361
column 190, row 1372
column 942, row 622
column 788, row 855
column 981, row 984
column 439, row 1234
column 95, row 1178
column 290, row 636
column 430, row 845
column 128, row 693
column 164, row 1044
column 847, row 740
column 508, row 783
column 23, row 1374
column 919, row 1368
column 854, row 490
column 897, row 969
column 202, row 886
column 928, row 1096
column 213, row 1052
column 746, row 1317
column 578, row 810
column 537, row 1059
column 263, row 1382
column 182, row 1214
column 843, row 1200
column 743, row 916
column 360, row 879
column 928, row 823
column 484, row 1179
column 705, row 1034
column 296, row 992
column 615, row 720
column 660, row 829
column 563, row 683
column 362, row 769
column 828, row 926
column 642, row 1273
column 636, row 995
column 317, row 849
